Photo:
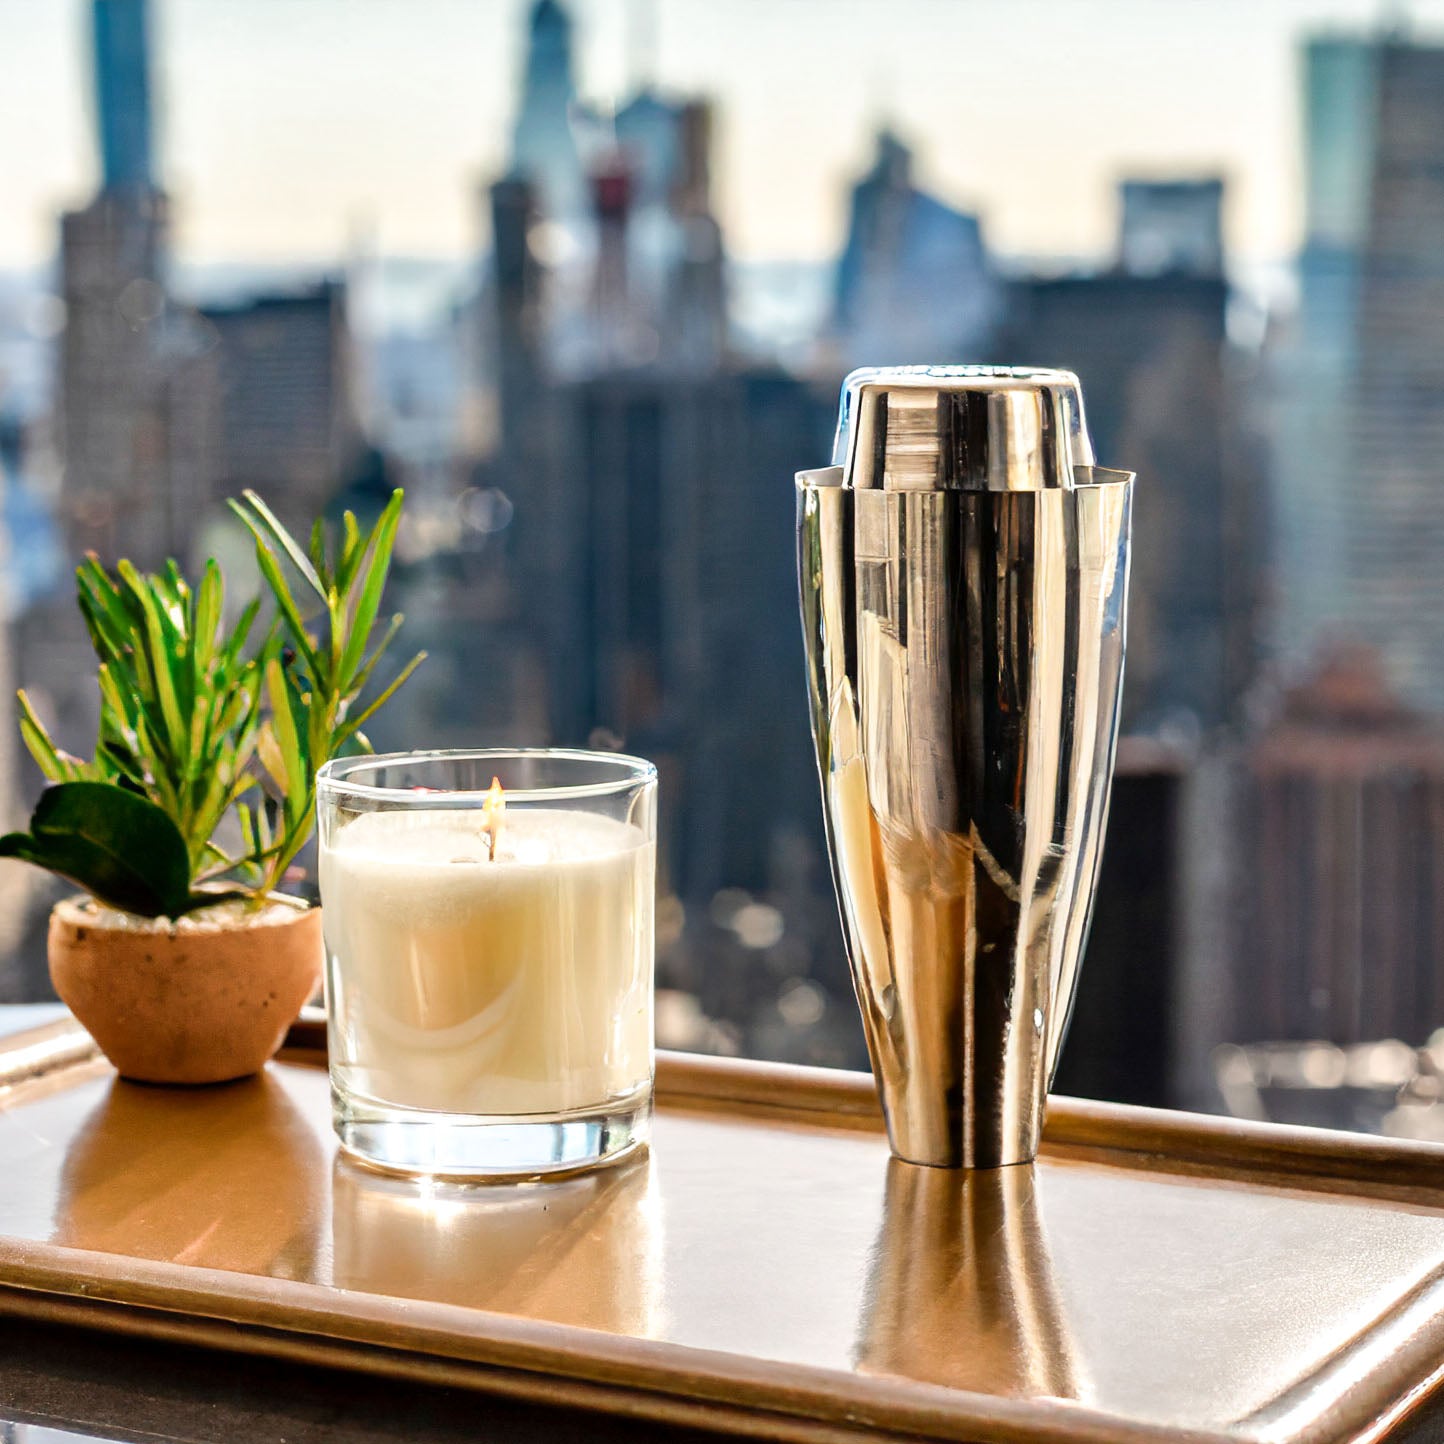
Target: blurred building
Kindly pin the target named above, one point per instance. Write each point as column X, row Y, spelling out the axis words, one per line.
column 544, row 141
column 1171, row 227
column 1148, row 342
column 1342, row 868
column 913, row 282
column 1360, row 380
column 164, row 411
column 128, row 413
column 653, row 507
column 284, row 414
column 121, row 40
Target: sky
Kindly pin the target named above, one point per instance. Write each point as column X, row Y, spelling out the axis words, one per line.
column 292, row 130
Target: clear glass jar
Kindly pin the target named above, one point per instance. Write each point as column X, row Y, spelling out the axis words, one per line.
column 489, row 957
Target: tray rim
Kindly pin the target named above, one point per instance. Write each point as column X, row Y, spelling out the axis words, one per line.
column 748, row 1396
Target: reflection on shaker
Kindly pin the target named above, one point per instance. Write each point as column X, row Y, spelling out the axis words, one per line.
column 582, row 1251
column 962, row 1292
column 228, row 1177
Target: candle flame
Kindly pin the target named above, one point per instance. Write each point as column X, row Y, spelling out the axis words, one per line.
column 493, row 809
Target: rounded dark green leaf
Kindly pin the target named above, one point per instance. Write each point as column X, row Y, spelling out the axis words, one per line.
column 120, row 847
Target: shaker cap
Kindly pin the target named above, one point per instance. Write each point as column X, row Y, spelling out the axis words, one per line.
column 964, row 428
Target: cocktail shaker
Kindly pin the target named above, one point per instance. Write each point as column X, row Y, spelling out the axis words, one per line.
column 963, row 570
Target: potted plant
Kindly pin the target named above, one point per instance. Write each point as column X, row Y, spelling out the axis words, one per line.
column 183, row 958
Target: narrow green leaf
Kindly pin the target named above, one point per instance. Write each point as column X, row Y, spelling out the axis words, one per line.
column 396, row 685
column 111, row 624
column 276, row 580
column 373, row 578
column 232, row 649
column 273, row 758
column 162, row 658
column 267, row 521
column 358, row 683
column 247, row 820
column 317, row 552
column 283, row 724
column 352, row 551
column 48, row 757
column 118, row 702
column 210, row 601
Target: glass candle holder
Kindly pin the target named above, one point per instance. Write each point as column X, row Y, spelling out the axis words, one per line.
column 489, row 958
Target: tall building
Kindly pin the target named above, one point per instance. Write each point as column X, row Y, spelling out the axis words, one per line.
column 914, row 278
column 544, row 143
column 672, row 580
column 113, row 433
column 120, row 32
column 652, row 536
column 1358, row 494
column 284, row 412
column 1150, row 349
column 129, row 411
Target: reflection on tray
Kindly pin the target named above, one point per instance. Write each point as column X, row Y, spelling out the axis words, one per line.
column 581, row 1251
column 962, row 1292
column 229, row 1177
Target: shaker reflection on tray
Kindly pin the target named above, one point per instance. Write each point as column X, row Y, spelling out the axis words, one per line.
column 963, row 571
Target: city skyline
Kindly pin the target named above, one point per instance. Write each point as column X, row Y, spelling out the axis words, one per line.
column 395, row 148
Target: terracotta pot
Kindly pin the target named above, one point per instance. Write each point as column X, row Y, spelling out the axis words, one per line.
column 195, row 1002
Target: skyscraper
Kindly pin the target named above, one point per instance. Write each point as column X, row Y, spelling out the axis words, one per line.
column 283, row 415
column 1358, row 482
column 1149, row 345
column 120, row 32
column 914, row 278
column 129, row 413
column 544, row 144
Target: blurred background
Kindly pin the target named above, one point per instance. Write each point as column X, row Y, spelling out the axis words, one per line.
column 584, row 277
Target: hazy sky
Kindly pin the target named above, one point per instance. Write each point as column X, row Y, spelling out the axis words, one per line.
column 287, row 126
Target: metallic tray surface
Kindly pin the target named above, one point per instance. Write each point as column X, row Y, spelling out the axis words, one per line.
column 768, row 1270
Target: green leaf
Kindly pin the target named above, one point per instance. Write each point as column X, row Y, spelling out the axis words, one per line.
column 283, row 728
column 352, row 551
column 232, row 649
column 162, row 658
column 48, row 757
column 109, row 621
column 210, row 597
column 267, row 521
column 358, row 682
column 373, row 579
column 276, row 580
column 317, row 551
column 120, row 847
column 395, row 686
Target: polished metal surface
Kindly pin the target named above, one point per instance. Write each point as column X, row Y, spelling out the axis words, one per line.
column 768, row 1269
column 961, row 428
column 964, row 638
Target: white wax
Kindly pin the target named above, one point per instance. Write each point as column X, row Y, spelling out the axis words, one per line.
column 519, row 986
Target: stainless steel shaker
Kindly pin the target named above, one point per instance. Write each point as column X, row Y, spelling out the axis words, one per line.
column 963, row 570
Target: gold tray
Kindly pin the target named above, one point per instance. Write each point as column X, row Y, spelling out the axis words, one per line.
column 767, row 1271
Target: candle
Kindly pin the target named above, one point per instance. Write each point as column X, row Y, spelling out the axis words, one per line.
column 495, row 964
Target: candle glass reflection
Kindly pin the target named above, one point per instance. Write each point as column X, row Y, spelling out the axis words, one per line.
column 489, row 954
